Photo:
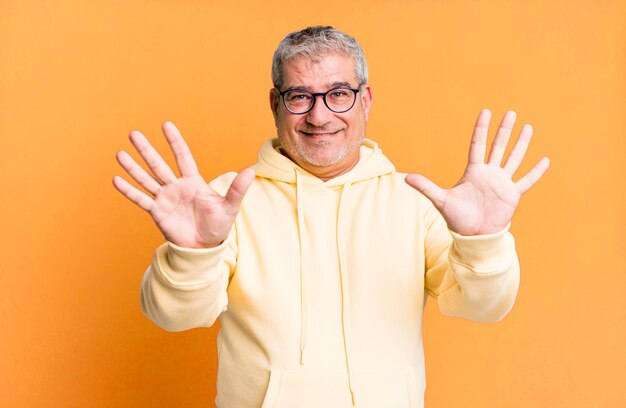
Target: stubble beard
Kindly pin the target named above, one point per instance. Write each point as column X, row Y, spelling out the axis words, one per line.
column 316, row 156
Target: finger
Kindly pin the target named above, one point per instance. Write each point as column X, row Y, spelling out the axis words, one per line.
column 431, row 190
column 138, row 197
column 184, row 159
column 502, row 138
column 525, row 183
column 138, row 173
column 238, row 189
column 519, row 150
column 479, row 137
column 152, row 158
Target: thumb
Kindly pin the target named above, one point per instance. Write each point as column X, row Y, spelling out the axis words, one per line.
column 431, row 190
column 238, row 189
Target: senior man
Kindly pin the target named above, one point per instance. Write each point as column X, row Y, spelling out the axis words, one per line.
column 318, row 260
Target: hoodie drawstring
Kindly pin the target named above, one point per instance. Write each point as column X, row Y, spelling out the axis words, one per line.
column 302, row 233
column 345, row 304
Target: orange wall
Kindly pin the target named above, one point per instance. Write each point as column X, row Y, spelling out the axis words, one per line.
column 77, row 76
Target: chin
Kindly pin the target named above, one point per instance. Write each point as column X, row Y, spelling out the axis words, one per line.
column 323, row 160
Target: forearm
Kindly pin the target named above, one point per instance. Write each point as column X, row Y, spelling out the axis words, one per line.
column 186, row 288
column 482, row 279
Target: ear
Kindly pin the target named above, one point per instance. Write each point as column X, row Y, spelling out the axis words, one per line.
column 274, row 100
column 367, row 98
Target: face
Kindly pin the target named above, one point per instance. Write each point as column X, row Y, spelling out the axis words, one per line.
column 324, row 143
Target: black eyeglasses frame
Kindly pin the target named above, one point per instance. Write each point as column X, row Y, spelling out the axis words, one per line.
column 315, row 95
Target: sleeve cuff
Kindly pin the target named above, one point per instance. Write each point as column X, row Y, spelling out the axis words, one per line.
column 192, row 259
column 483, row 252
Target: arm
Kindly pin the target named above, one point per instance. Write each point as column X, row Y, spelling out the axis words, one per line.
column 472, row 269
column 475, row 278
column 185, row 286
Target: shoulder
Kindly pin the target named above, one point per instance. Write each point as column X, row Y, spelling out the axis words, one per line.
column 396, row 181
column 222, row 183
column 394, row 184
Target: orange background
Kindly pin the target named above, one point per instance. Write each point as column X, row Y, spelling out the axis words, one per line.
column 77, row 76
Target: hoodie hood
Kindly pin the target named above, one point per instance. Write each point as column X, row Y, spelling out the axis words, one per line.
column 274, row 165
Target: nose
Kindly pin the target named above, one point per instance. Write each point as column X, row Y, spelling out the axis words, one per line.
column 319, row 115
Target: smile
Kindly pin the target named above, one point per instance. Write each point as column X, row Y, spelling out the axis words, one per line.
column 319, row 134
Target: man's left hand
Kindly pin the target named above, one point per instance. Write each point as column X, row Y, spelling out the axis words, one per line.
column 484, row 200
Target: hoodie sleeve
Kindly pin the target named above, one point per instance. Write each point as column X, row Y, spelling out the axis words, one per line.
column 475, row 277
column 184, row 288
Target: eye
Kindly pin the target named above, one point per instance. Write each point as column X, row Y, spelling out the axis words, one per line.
column 340, row 96
column 339, row 93
column 297, row 96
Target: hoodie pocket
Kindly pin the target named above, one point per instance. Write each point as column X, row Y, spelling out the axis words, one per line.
column 304, row 389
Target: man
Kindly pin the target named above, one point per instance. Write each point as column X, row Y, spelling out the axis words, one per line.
column 317, row 260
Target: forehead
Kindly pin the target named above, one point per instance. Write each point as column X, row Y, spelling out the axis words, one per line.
column 319, row 73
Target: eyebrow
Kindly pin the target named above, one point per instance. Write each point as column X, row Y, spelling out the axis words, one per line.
column 345, row 83
column 331, row 86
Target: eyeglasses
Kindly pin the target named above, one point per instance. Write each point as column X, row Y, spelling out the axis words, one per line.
column 300, row 101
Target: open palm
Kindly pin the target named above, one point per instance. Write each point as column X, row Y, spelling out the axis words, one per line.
column 186, row 209
column 484, row 200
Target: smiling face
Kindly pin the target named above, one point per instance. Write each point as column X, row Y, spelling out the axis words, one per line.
column 322, row 142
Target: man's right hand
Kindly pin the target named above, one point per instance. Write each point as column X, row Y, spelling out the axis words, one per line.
column 186, row 209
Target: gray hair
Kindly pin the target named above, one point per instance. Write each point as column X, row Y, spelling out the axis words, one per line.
column 313, row 42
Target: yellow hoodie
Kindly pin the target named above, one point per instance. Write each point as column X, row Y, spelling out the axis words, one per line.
column 320, row 287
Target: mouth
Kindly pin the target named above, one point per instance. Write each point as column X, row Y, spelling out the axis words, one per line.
column 319, row 134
